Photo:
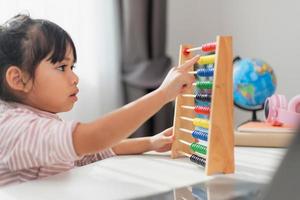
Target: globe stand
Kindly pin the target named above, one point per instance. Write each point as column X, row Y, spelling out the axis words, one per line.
column 254, row 113
column 254, row 116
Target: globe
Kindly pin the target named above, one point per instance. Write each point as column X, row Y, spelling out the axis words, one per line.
column 253, row 82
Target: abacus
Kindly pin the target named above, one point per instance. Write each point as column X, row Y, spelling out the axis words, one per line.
column 203, row 119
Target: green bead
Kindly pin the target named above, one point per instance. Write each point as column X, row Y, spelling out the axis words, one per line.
column 198, row 148
column 204, row 84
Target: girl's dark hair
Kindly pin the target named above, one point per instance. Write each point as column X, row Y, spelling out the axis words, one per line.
column 25, row 42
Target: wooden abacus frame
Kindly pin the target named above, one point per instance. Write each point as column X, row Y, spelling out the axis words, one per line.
column 220, row 144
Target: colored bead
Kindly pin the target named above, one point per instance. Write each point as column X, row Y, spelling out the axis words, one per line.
column 204, row 84
column 198, row 148
column 205, row 72
column 204, row 123
column 201, row 135
column 198, row 160
column 203, row 97
column 209, row 47
column 202, row 110
column 185, row 51
column 204, row 60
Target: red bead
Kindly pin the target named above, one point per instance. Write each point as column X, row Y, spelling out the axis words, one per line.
column 209, row 47
column 202, row 110
column 185, row 51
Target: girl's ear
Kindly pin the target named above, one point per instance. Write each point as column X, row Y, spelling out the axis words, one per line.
column 17, row 80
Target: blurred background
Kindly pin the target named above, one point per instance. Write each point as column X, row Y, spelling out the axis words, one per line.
column 126, row 47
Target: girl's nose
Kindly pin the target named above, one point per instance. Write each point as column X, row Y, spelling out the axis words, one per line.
column 75, row 79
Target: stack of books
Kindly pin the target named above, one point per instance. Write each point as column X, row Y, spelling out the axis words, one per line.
column 261, row 134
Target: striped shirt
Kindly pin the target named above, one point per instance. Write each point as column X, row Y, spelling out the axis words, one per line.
column 36, row 144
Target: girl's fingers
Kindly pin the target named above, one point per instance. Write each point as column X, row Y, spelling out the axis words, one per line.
column 167, row 140
column 165, row 148
column 189, row 63
column 168, row 132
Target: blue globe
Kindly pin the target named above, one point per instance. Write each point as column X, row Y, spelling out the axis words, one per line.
column 253, row 82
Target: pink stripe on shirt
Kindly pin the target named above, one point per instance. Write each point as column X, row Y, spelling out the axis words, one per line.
column 35, row 144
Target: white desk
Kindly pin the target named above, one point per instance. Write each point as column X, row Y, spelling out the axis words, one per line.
column 126, row 177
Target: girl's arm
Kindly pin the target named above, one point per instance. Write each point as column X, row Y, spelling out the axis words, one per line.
column 111, row 129
column 133, row 146
column 161, row 142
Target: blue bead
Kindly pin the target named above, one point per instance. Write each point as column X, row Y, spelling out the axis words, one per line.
column 201, row 135
column 205, row 72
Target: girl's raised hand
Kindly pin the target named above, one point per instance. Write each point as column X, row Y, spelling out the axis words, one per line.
column 178, row 79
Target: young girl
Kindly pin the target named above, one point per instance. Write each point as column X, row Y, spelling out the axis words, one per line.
column 37, row 81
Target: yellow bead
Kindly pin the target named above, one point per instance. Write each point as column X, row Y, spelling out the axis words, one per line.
column 204, row 60
column 204, row 123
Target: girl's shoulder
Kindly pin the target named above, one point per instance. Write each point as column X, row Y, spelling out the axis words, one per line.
column 20, row 119
column 12, row 112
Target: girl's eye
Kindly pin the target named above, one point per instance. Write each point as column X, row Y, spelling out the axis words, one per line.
column 62, row 68
column 73, row 67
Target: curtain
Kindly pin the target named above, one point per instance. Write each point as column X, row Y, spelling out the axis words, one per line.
column 144, row 62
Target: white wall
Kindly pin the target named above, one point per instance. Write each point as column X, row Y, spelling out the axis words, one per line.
column 263, row 29
column 190, row 22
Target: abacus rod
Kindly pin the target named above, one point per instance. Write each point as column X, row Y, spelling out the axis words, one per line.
column 191, row 107
column 204, row 110
column 204, row 47
column 191, row 132
column 189, row 95
column 203, row 72
column 187, row 118
column 192, row 72
column 185, row 130
column 185, row 142
column 189, row 144
column 194, row 49
column 188, row 107
column 206, row 82
column 194, row 96
column 192, row 158
column 185, row 154
column 200, row 122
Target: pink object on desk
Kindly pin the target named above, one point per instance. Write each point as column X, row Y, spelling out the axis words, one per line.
column 278, row 111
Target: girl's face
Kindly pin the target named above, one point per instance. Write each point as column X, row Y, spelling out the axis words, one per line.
column 54, row 88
